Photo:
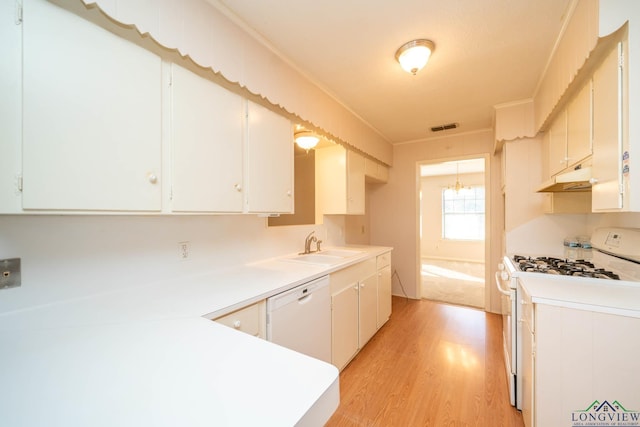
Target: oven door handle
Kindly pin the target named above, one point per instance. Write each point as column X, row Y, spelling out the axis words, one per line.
column 498, row 282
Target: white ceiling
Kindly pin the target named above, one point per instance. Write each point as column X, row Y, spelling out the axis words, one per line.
column 488, row 52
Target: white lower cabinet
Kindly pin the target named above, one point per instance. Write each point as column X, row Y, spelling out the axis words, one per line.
column 360, row 305
column 250, row 319
column 344, row 324
column 578, row 366
column 383, row 264
column 367, row 309
column 528, row 358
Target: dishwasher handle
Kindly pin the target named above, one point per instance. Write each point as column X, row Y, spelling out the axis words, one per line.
column 305, row 299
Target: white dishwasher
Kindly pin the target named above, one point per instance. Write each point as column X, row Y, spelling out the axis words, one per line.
column 300, row 319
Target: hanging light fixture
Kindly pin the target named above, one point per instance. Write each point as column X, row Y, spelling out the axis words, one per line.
column 413, row 55
column 306, row 139
column 458, row 185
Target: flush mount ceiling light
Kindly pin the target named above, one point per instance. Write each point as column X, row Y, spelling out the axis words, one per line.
column 306, row 139
column 413, row 55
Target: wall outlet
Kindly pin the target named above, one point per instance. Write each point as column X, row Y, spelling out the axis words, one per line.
column 185, row 250
column 10, row 276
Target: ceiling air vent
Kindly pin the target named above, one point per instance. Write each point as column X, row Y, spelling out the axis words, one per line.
column 444, row 127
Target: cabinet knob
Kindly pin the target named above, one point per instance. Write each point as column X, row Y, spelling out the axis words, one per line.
column 288, row 193
column 153, row 178
column 593, row 181
column 238, row 187
column 237, row 324
column 362, row 285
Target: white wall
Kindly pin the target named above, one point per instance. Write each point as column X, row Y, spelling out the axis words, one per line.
column 71, row 256
column 394, row 207
column 432, row 245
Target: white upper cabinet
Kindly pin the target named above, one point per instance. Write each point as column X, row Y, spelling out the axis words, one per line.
column 91, row 116
column 579, row 126
column 207, row 132
column 375, row 172
column 607, row 134
column 558, row 144
column 269, row 161
column 570, row 133
column 340, row 187
column 355, row 183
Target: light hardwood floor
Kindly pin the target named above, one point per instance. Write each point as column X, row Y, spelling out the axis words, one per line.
column 432, row 364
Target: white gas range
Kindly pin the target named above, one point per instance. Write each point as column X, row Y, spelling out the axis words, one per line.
column 614, row 257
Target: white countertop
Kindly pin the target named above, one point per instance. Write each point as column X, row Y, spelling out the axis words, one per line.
column 149, row 356
column 599, row 295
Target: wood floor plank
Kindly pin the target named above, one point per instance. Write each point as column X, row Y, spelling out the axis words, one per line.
column 432, row 364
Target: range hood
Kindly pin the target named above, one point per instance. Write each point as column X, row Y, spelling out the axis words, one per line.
column 575, row 180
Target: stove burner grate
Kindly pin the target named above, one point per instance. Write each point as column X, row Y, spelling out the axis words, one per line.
column 565, row 267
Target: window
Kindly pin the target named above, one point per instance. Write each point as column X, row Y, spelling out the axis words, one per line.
column 463, row 214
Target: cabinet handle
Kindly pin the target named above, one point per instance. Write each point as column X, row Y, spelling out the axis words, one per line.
column 237, row 324
column 593, row 181
column 153, row 178
column 238, row 187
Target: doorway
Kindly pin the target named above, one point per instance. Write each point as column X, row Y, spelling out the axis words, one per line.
column 452, row 227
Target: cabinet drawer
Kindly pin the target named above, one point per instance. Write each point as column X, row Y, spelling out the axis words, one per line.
column 346, row 277
column 383, row 260
column 250, row 320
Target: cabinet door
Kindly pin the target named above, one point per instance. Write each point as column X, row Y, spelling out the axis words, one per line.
column 368, row 309
column 344, row 325
column 331, row 179
column 207, row 126
column 384, row 295
column 250, row 320
column 607, row 135
column 528, row 364
column 340, row 187
column 579, row 126
column 355, row 183
column 269, row 161
column 91, row 116
column 558, row 144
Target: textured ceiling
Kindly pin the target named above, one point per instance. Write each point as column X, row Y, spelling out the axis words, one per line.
column 488, row 52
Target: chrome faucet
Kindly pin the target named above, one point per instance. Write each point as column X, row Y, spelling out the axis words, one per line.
column 307, row 243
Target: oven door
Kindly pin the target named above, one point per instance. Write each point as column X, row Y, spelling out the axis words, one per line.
column 508, row 304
